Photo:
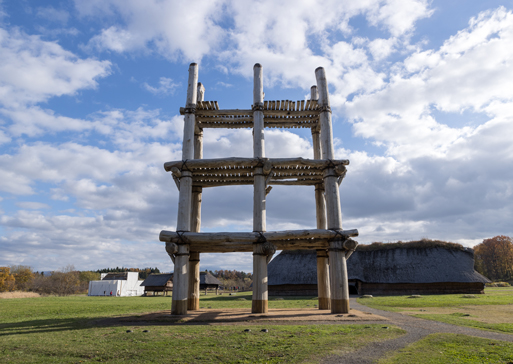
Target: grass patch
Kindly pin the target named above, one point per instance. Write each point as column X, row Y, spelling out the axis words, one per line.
column 188, row 344
column 462, row 319
column 452, row 348
column 492, row 296
column 487, row 312
column 64, row 329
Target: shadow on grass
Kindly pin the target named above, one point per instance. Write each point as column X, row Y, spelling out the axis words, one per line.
column 39, row 326
column 160, row 318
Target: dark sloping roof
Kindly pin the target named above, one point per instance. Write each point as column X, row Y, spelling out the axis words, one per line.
column 157, row 280
column 400, row 265
column 207, row 278
column 116, row 276
column 293, row 267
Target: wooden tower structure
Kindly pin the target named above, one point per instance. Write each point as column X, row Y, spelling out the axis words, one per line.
column 193, row 173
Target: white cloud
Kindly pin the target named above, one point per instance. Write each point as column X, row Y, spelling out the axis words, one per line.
column 52, row 14
column 166, row 87
column 30, row 205
column 381, row 48
column 174, row 29
column 399, row 16
column 33, row 70
column 278, row 34
column 470, row 71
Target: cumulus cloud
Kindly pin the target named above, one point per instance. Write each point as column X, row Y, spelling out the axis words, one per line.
column 33, row 70
column 189, row 30
column 431, row 176
column 470, row 71
column 280, row 34
column 166, row 87
column 52, row 14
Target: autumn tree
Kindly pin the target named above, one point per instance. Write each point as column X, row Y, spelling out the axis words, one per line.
column 7, row 282
column 23, row 277
column 494, row 258
column 61, row 283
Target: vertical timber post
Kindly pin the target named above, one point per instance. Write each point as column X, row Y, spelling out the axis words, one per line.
column 180, row 278
column 323, row 278
column 194, row 259
column 259, row 303
column 337, row 259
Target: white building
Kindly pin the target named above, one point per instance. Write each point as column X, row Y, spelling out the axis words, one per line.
column 117, row 284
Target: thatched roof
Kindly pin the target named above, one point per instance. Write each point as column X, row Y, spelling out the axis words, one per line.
column 116, row 276
column 404, row 264
column 207, row 278
column 157, row 280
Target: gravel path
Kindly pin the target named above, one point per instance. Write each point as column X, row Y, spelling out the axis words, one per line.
column 416, row 329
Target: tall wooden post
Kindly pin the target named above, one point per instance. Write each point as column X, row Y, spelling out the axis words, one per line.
column 323, row 268
column 259, row 303
column 337, row 258
column 194, row 259
column 180, row 277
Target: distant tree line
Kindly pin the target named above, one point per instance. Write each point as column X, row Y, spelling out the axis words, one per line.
column 143, row 273
column 494, row 258
column 233, row 278
column 63, row 282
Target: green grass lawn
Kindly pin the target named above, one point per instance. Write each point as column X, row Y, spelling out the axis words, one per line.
column 75, row 329
column 492, row 296
column 451, row 348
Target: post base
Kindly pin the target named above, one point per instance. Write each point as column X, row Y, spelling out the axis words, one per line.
column 193, row 304
column 259, row 306
column 324, row 303
column 179, row 307
column 339, row 305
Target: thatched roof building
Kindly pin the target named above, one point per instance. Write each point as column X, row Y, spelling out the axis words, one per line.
column 400, row 268
column 207, row 280
column 158, row 283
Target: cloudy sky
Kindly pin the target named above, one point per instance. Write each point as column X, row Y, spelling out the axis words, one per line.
column 90, row 92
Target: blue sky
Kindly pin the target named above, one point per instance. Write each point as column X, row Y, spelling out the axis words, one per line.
column 90, row 93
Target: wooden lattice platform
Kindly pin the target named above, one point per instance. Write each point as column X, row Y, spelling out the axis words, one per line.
column 240, row 171
column 277, row 114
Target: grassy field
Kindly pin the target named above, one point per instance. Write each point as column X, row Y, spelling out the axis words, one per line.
column 492, row 296
column 492, row 311
column 79, row 329
column 451, row 348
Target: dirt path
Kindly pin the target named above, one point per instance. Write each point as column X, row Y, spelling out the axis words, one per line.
column 416, row 329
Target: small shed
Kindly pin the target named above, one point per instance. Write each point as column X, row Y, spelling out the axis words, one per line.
column 119, row 284
column 208, row 281
column 158, row 283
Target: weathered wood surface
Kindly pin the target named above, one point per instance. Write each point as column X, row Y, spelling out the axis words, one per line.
column 180, row 277
column 323, row 280
column 253, row 237
column 259, row 300
column 180, row 281
column 194, row 282
column 339, row 283
column 200, row 94
column 184, row 202
column 228, row 163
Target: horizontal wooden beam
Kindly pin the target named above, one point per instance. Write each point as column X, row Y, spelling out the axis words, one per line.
column 252, row 237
